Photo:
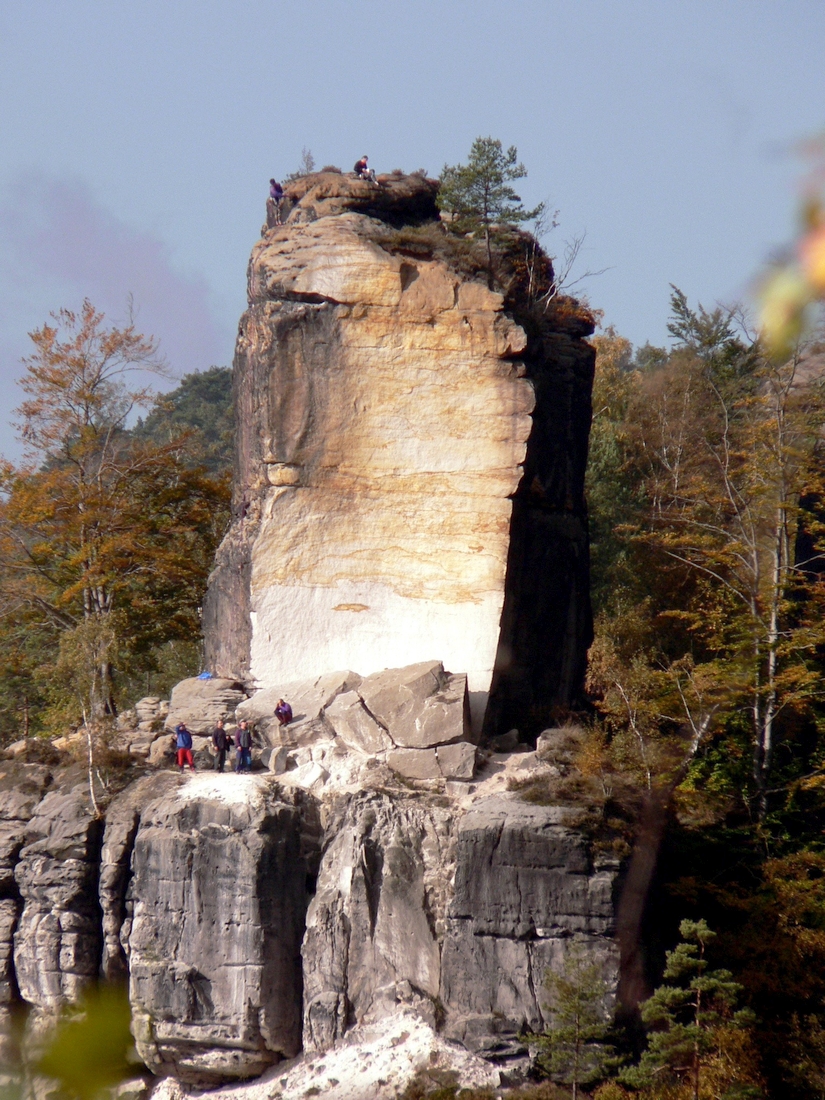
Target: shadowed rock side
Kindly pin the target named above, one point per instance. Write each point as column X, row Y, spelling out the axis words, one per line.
column 546, row 623
column 383, row 407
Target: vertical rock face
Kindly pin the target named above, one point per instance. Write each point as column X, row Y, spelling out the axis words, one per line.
column 372, row 939
column 524, row 886
column 254, row 916
column 217, row 901
column 459, row 920
column 384, row 404
column 21, row 789
column 57, row 942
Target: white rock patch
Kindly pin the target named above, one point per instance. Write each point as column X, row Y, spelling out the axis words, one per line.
column 226, row 787
column 374, row 1061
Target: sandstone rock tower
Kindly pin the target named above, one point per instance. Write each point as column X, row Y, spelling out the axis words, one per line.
column 409, row 462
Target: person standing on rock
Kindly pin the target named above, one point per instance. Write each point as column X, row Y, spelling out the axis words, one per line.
column 283, row 712
column 243, row 743
column 221, row 740
column 273, row 205
column 183, row 742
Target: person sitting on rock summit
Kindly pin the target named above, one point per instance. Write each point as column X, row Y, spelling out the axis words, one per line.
column 362, row 171
column 283, row 712
column 221, row 740
column 183, row 743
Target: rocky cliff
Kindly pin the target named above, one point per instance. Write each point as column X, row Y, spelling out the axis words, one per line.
column 255, row 916
column 408, row 503
column 410, row 462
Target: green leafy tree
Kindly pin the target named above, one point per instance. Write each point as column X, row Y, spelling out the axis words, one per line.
column 612, row 485
column 576, row 1048
column 729, row 446
column 478, row 196
column 199, row 411
column 101, row 531
column 689, row 1019
column 706, row 469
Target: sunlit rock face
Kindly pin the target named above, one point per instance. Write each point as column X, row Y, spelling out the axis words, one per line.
column 384, row 411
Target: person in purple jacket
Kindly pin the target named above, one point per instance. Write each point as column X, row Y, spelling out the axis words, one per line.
column 276, row 194
column 283, row 712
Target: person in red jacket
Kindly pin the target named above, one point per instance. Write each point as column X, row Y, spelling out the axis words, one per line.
column 183, row 741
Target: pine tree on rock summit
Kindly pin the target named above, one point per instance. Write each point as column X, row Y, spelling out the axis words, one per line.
column 478, row 194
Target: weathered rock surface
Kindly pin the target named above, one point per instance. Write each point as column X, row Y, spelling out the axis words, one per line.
column 57, row 941
column 21, row 788
column 537, row 893
column 375, row 1062
column 389, row 408
column 371, row 940
column 309, row 701
column 254, row 915
column 417, row 707
column 217, row 905
column 122, row 821
column 355, row 726
column 200, row 703
column 421, row 706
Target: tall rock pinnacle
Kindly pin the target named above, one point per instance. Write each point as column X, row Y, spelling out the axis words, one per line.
column 409, row 462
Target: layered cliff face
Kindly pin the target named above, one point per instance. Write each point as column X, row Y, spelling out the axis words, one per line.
column 255, row 916
column 389, row 411
column 408, row 503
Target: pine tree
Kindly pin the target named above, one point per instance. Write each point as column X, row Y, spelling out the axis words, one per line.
column 478, row 194
column 688, row 1017
column 576, row 1048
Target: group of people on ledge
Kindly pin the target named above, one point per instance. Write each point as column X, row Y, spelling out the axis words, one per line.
column 223, row 741
column 276, row 192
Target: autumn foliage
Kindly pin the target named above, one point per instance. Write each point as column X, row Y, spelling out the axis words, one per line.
column 100, row 530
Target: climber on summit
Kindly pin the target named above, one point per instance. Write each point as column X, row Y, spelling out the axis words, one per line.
column 361, row 170
column 273, row 204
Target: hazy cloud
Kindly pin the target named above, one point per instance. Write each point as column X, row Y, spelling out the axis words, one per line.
column 60, row 245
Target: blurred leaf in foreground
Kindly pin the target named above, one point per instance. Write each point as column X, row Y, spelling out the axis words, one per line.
column 93, row 1049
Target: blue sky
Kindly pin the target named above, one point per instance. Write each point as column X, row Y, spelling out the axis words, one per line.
column 137, row 139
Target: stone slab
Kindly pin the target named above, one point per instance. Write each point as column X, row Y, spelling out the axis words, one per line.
column 200, row 703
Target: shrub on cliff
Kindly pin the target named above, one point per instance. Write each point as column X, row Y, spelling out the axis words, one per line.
column 478, row 197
